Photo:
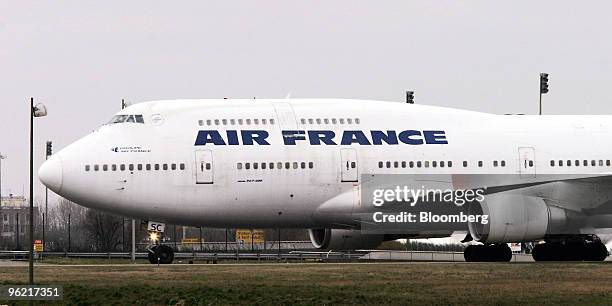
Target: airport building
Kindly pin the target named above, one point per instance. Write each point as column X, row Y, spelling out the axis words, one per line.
column 14, row 219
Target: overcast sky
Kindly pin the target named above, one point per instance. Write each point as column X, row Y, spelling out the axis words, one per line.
column 81, row 57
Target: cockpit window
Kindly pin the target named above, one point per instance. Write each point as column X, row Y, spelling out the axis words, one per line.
column 127, row 119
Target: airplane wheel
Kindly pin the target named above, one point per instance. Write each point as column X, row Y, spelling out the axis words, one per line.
column 596, row 251
column 162, row 253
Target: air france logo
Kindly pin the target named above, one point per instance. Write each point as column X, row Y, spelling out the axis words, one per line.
column 322, row 137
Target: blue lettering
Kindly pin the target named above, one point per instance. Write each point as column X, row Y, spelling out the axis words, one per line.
column 258, row 136
column 349, row 137
column 316, row 137
column 435, row 137
column 232, row 138
column 406, row 137
column 289, row 137
column 208, row 136
column 379, row 136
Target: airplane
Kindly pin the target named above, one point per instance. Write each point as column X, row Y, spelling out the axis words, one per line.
column 310, row 163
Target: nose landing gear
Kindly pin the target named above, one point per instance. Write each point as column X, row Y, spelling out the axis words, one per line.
column 160, row 254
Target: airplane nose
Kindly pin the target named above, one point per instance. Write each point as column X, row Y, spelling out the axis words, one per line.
column 51, row 172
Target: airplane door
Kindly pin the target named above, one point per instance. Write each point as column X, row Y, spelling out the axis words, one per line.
column 527, row 168
column 349, row 168
column 286, row 117
column 204, row 167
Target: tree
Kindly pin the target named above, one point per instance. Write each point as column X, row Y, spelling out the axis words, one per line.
column 105, row 229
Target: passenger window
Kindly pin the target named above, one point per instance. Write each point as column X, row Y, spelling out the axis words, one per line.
column 450, row 163
column 86, row 167
column 287, row 165
column 592, row 163
column 165, row 166
column 256, row 121
column 353, row 165
column 600, row 162
column 310, row 165
column 200, row 122
column 239, row 166
column 388, row 164
column 411, row 164
column 607, row 162
column 139, row 167
column 349, row 121
column 208, row 166
column 104, row 167
column 303, row 165
column 233, row 121
column 310, row 121
column 263, row 165
column 577, row 163
column 255, row 166
column 96, row 168
column 403, row 164
column 122, row 167
column 585, row 163
column 173, row 167
column 224, row 121
column 418, row 164
column 426, row 164
column 531, row 163
column 139, row 119
column 503, row 163
column 380, row 165
column 396, row 164
column 182, row 166
column 326, row 121
column 434, row 164
column 240, row 121
column 295, row 165
column 271, row 121
column 247, row 166
column 280, row 166
column 480, row 163
column 208, row 122
column 271, row 165
column 264, row 121
column 318, row 121
column 148, row 167
column 341, row 120
column 217, row 122
column 334, row 121
column 494, row 163
column 465, row 163
column 156, row 166
column 248, row 121
column 131, row 167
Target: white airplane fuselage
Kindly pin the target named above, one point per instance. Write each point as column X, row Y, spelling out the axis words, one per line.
column 207, row 144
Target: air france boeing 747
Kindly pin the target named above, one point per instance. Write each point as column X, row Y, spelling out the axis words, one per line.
column 302, row 164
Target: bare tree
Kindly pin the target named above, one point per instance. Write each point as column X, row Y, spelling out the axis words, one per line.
column 105, row 229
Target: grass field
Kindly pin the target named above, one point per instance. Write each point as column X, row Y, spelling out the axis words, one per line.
column 318, row 284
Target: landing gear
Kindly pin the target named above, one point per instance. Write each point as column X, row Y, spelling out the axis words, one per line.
column 572, row 248
column 488, row 253
column 157, row 252
column 160, row 254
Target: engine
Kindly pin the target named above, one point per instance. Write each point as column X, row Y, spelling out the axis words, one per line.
column 343, row 239
column 513, row 218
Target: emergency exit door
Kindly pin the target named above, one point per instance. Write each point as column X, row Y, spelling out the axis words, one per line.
column 204, row 167
column 349, row 168
column 527, row 165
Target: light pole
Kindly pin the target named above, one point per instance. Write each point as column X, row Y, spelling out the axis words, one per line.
column 38, row 110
